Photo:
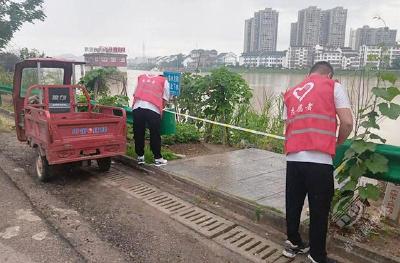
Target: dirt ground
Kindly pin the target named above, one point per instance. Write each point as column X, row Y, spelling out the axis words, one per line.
column 103, row 222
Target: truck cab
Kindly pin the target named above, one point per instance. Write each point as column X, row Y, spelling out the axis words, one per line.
column 58, row 119
column 39, row 71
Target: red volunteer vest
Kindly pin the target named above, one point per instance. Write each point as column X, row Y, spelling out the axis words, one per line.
column 311, row 116
column 151, row 89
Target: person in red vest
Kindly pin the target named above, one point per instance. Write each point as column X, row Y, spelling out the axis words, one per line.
column 311, row 111
column 151, row 95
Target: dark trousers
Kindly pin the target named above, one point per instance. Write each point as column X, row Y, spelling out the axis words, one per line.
column 316, row 181
column 151, row 119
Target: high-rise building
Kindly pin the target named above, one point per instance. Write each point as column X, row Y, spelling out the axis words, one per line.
column 308, row 26
column 315, row 26
column 352, row 39
column 248, row 24
column 293, row 34
column 324, row 28
column 261, row 31
column 336, row 27
column 374, row 36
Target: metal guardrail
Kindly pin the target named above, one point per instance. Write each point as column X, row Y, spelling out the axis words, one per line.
column 4, row 89
column 390, row 151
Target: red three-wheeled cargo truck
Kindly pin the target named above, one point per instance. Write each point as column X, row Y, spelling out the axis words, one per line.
column 50, row 117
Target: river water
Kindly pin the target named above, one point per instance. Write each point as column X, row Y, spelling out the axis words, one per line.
column 272, row 84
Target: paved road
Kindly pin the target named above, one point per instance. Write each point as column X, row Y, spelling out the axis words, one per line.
column 76, row 219
column 24, row 234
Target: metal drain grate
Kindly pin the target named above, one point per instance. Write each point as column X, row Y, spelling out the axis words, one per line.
column 115, row 179
column 167, row 203
column 253, row 247
column 139, row 190
column 203, row 222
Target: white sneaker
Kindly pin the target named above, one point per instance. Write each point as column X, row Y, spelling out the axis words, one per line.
column 140, row 159
column 160, row 162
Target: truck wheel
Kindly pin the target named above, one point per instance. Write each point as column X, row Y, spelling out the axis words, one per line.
column 104, row 164
column 43, row 169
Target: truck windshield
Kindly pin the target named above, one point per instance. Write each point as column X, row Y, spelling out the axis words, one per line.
column 47, row 76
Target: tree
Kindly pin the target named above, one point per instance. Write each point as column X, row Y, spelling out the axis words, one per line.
column 8, row 61
column 216, row 97
column 26, row 53
column 362, row 158
column 13, row 14
column 96, row 80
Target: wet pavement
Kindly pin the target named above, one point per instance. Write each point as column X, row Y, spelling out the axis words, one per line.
column 252, row 174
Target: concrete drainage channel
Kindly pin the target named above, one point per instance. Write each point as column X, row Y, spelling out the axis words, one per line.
column 216, row 228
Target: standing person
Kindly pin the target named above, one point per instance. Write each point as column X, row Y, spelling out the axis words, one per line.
column 311, row 127
column 149, row 100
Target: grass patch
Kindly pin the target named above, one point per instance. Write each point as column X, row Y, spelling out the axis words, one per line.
column 6, row 125
column 7, row 107
column 148, row 155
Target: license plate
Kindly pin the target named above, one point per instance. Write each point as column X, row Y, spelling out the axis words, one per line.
column 86, row 131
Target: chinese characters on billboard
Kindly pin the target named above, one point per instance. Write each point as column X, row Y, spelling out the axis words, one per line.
column 101, row 49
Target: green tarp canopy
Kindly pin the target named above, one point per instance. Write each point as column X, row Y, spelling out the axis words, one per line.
column 389, row 151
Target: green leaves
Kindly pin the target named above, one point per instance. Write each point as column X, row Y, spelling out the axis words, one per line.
column 369, row 191
column 361, row 146
column 388, row 76
column 349, row 153
column 389, row 109
column 13, row 14
column 350, row 185
column 362, row 159
column 215, row 97
column 377, row 137
column 392, row 110
column 387, row 94
column 377, row 163
column 96, row 80
column 370, row 120
column 117, row 101
column 358, row 170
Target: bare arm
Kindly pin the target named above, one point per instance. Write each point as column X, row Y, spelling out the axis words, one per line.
column 346, row 124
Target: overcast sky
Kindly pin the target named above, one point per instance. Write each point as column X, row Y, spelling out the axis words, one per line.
column 175, row 26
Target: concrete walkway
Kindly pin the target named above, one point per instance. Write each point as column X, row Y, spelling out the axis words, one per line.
column 252, row 174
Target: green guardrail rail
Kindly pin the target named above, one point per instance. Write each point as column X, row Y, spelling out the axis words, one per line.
column 389, row 151
column 168, row 127
column 6, row 89
column 168, row 121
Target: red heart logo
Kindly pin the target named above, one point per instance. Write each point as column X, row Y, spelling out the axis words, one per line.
column 301, row 92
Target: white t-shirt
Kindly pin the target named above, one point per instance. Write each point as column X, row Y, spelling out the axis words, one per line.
column 148, row 105
column 341, row 102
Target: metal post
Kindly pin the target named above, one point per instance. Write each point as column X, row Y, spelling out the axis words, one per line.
column 38, row 73
column 39, row 77
column 82, row 71
column 73, row 75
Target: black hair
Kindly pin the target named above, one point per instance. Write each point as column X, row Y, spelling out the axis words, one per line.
column 322, row 67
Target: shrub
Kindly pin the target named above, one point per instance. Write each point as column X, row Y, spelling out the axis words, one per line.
column 116, row 101
column 185, row 133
